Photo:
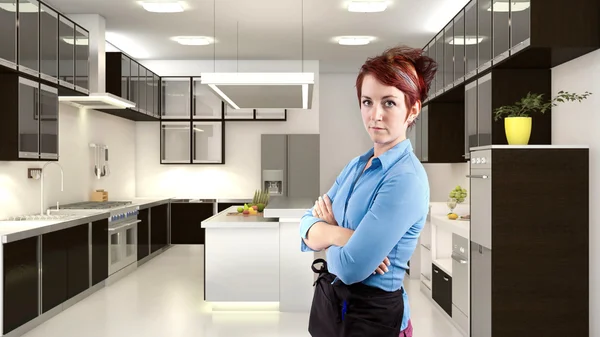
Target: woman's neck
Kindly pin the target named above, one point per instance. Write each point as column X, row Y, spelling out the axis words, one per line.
column 380, row 149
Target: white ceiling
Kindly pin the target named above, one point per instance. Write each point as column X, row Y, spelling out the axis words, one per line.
column 268, row 29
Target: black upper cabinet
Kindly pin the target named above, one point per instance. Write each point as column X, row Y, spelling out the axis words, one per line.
column 66, row 52
column 82, row 60
column 439, row 133
column 131, row 81
column 8, row 38
column 48, row 44
column 29, row 37
column 29, row 130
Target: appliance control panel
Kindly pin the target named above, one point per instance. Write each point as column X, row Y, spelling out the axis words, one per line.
column 124, row 215
column 481, row 159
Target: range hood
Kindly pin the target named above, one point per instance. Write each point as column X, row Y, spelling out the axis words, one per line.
column 97, row 101
column 262, row 90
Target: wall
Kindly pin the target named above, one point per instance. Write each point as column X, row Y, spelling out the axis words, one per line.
column 239, row 177
column 576, row 123
column 19, row 195
column 343, row 137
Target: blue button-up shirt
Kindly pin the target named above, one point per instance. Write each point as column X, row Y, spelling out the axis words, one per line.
column 386, row 206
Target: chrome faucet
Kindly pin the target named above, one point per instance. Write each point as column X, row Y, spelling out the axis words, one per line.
column 62, row 176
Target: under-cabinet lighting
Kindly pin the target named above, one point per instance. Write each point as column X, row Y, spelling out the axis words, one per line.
column 354, row 40
column 199, row 130
column 192, row 40
column 508, row 6
column 24, row 7
column 81, row 41
column 367, row 6
column 162, row 7
column 465, row 41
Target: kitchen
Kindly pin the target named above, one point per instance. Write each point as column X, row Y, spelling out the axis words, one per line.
column 139, row 168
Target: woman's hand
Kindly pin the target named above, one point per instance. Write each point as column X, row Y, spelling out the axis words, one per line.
column 323, row 211
column 383, row 267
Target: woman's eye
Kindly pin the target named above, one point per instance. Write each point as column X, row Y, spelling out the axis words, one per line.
column 390, row 104
column 366, row 102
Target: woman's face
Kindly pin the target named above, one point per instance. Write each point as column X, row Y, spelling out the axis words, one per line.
column 384, row 112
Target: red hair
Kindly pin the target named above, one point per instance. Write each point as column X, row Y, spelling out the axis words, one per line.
column 402, row 67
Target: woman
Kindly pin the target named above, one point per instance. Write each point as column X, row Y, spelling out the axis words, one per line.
column 371, row 218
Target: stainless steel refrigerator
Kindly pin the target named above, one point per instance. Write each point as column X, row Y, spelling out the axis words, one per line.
column 290, row 165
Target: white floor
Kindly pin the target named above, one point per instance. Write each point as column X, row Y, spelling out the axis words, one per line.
column 164, row 298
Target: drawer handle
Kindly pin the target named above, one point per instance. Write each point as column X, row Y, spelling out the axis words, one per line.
column 446, row 279
column 479, row 176
column 436, row 271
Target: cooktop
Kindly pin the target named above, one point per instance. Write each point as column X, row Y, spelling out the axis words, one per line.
column 95, row 205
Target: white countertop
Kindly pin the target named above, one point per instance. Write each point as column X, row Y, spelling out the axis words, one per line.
column 459, row 227
column 222, row 220
column 284, row 207
column 445, row 265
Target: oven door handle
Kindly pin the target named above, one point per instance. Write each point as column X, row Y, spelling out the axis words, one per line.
column 480, row 176
column 124, row 225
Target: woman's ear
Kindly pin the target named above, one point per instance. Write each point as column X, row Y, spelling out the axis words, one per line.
column 415, row 110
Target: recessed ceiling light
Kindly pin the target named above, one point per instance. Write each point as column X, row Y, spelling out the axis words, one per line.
column 192, row 40
column 162, row 6
column 24, row 7
column 354, row 40
column 367, row 6
column 506, row 6
column 465, row 41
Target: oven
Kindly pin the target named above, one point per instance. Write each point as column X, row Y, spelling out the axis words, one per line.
column 122, row 238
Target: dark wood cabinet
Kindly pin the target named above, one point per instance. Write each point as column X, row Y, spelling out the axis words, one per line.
column 186, row 218
column 441, row 289
column 29, row 130
column 159, row 222
column 99, row 251
column 54, row 270
column 78, row 272
column 143, row 234
column 20, row 283
column 503, row 87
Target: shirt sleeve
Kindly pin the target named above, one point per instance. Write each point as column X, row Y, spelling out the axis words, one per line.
column 308, row 220
column 400, row 203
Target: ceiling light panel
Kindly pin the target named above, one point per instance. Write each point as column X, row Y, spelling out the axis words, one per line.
column 354, row 40
column 193, row 40
column 367, row 6
column 162, row 6
column 509, row 6
column 467, row 40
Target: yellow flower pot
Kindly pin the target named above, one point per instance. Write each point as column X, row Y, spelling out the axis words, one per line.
column 518, row 130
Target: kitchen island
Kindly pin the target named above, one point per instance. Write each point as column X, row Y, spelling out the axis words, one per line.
column 255, row 261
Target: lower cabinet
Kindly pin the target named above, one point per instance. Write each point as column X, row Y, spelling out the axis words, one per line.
column 20, row 283
column 143, row 234
column 186, row 218
column 99, row 251
column 78, row 259
column 441, row 291
column 159, row 222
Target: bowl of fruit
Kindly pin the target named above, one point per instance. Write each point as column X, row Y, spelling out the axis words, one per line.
column 258, row 204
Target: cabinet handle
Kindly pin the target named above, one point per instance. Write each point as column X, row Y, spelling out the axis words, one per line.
column 446, row 279
column 480, row 176
column 436, row 271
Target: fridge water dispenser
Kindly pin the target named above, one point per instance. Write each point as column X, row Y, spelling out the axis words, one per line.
column 273, row 181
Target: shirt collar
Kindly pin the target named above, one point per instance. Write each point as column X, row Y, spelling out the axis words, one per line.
column 389, row 157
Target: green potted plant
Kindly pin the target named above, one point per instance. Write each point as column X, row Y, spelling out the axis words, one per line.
column 517, row 120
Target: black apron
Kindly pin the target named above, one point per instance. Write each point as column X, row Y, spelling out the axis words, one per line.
column 357, row 310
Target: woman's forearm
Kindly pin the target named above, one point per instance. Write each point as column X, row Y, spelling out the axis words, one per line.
column 322, row 235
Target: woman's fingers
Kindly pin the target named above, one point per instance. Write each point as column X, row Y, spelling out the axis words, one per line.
column 327, row 202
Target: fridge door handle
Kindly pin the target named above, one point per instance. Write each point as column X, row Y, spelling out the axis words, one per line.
column 458, row 259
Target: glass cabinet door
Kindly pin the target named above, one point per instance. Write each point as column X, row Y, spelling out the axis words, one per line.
column 82, row 56
column 142, row 89
column 426, row 53
column 149, row 93
column 28, row 118
column 125, row 76
column 175, row 98
column 433, row 54
column 471, row 138
column 8, row 38
column 448, row 55
column 424, row 133
column 134, row 94
column 270, row 114
column 471, row 39
column 48, row 122
column 29, row 37
column 66, row 52
column 156, row 96
column 484, row 109
column 48, row 44
column 484, row 26
column 459, row 47
column 439, row 41
column 207, row 105
column 175, row 144
column 520, row 20
column 208, row 142
column 232, row 113
column 501, row 31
